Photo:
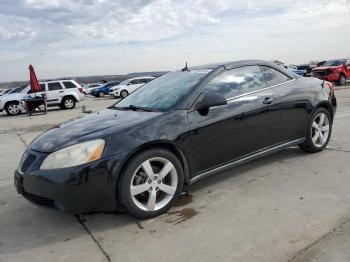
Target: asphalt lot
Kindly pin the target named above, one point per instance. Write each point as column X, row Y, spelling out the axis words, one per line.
column 290, row 206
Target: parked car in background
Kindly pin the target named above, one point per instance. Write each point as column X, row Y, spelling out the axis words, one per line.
column 104, row 89
column 174, row 131
column 307, row 69
column 5, row 91
column 320, row 63
column 87, row 89
column 62, row 93
column 294, row 68
column 128, row 86
column 337, row 71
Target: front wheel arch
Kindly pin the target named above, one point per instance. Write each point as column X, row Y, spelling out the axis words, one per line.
column 10, row 102
column 157, row 144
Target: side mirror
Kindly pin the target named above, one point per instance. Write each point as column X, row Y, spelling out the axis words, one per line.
column 210, row 100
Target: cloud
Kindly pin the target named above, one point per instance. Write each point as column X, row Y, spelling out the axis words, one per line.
column 65, row 36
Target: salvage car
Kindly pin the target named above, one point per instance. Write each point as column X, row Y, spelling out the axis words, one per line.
column 139, row 154
column 337, row 71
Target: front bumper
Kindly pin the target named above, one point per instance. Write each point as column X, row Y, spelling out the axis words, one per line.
column 86, row 188
column 329, row 78
column 114, row 92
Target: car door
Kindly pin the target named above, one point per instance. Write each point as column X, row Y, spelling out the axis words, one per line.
column 293, row 103
column 245, row 125
column 133, row 85
column 54, row 93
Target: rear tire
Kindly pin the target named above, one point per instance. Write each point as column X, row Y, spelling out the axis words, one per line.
column 151, row 183
column 319, row 131
column 12, row 108
column 101, row 94
column 68, row 103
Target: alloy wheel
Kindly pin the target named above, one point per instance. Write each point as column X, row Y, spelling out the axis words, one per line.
column 124, row 94
column 320, row 130
column 342, row 80
column 69, row 103
column 154, row 184
column 13, row 109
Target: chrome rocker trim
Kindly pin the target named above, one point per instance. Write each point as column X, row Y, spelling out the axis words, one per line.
column 256, row 155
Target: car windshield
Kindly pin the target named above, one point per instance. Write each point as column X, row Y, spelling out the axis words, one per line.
column 163, row 93
column 334, row 63
column 17, row 90
column 124, row 82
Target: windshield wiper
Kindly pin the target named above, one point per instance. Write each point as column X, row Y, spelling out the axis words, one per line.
column 134, row 108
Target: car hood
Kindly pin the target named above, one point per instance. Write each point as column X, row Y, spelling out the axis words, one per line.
column 14, row 96
column 84, row 128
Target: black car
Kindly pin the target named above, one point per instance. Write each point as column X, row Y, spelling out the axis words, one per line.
column 307, row 68
column 179, row 128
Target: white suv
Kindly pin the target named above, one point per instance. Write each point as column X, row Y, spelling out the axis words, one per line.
column 63, row 93
column 128, row 86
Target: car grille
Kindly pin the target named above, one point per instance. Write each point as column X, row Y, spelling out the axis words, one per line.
column 43, row 201
column 27, row 161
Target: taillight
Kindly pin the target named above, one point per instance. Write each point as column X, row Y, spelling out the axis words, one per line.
column 80, row 90
column 329, row 85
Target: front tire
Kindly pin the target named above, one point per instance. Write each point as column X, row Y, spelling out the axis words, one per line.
column 319, row 131
column 124, row 93
column 151, row 183
column 342, row 80
column 12, row 108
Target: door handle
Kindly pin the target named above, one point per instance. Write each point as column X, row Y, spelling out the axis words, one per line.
column 61, row 91
column 268, row 100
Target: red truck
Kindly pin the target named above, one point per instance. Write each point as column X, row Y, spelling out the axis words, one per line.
column 337, row 71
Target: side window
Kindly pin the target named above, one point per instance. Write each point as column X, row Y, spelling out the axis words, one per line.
column 143, row 81
column 54, row 86
column 69, row 84
column 274, row 77
column 237, row 82
column 134, row 82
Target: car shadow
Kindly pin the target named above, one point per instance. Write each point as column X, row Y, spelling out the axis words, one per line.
column 25, row 226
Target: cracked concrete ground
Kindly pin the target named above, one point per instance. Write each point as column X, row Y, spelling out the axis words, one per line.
column 290, row 206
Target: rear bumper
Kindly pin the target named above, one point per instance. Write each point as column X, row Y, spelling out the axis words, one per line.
column 86, row 188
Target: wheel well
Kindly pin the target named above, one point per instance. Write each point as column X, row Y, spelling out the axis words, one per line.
column 15, row 101
column 71, row 96
column 328, row 107
column 164, row 145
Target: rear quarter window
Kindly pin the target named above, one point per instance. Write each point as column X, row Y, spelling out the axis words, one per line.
column 69, row 84
column 274, row 77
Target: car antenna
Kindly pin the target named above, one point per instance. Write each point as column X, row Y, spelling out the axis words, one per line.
column 185, row 68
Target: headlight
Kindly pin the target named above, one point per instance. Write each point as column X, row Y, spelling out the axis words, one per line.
column 74, row 155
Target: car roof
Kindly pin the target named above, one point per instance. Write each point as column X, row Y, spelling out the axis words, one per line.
column 141, row 77
column 229, row 65
column 58, row 80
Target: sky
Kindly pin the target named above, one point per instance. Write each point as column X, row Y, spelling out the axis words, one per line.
column 101, row 37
